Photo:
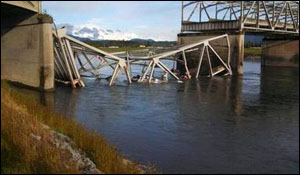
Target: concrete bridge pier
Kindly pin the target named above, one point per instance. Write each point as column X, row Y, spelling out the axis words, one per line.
column 27, row 56
column 236, row 40
column 280, row 52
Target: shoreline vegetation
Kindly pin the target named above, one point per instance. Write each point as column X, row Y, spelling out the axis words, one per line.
column 252, row 47
column 36, row 140
column 121, row 49
column 247, row 52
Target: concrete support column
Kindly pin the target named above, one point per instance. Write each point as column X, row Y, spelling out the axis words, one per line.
column 27, row 51
column 47, row 57
column 237, row 53
column 280, row 52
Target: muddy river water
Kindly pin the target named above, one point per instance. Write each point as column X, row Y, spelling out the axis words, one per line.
column 247, row 124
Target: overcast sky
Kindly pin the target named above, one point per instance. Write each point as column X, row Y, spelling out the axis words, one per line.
column 144, row 19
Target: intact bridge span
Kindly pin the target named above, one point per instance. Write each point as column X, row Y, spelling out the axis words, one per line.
column 277, row 21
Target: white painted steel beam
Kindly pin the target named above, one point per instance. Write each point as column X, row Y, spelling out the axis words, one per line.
column 68, row 45
column 266, row 14
column 68, row 49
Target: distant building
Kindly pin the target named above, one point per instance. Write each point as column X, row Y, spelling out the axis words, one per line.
column 142, row 46
column 113, row 47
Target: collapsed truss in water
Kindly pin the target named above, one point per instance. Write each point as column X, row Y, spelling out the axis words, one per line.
column 201, row 47
column 69, row 66
column 67, row 51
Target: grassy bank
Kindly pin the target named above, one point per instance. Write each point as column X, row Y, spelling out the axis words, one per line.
column 20, row 153
column 121, row 49
column 252, row 52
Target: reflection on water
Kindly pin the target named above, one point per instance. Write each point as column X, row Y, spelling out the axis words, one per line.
column 246, row 124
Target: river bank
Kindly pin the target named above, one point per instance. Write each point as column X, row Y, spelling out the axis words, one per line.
column 221, row 125
column 251, row 52
column 34, row 139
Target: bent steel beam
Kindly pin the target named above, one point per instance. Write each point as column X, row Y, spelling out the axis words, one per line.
column 67, row 51
column 156, row 60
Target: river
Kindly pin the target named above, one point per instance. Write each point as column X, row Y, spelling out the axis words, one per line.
column 247, row 124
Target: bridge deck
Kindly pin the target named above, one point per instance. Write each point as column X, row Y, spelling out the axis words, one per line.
column 34, row 6
column 250, row 25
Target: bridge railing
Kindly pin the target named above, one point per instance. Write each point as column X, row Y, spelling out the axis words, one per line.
column 276, row 16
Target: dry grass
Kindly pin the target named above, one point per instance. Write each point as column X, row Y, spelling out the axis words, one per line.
column 21, row 155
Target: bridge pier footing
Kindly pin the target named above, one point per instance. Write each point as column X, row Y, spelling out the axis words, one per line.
column 280, row 52
column 236, row 40
column 27, row 49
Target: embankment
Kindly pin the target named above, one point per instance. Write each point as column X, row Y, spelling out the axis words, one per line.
column 34, row 139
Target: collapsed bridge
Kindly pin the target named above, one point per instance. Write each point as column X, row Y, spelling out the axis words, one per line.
column 27, row 55
column 73, row 58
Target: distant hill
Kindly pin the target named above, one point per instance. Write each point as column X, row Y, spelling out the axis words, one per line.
column 250, row 41
column 253, row 40
column 80, row 39
column 142, row 40
column 136, row 42
column 139, row 40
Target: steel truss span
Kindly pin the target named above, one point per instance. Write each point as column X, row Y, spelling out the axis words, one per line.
column 73, row 58
column 254, row 16
column 69, row 65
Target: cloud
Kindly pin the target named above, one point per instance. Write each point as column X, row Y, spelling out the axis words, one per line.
column 95, row 32
column 139, row 19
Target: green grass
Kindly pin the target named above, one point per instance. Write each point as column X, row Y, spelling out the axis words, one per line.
column 21, row 115
column 121, row 49
column 252, row 52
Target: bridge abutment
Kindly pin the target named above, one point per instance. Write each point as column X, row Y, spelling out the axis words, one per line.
column 236, row 47
column 27, row 48
column 280, row 52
